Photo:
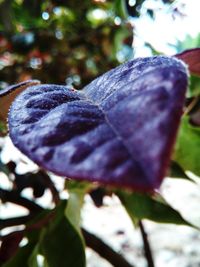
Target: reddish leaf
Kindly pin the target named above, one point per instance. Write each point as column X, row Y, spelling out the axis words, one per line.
column 9, row 94
column 119, row 130
column 192, row 58
column 10, row 245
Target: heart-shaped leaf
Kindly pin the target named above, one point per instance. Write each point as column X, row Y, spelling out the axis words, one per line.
column 119, row 130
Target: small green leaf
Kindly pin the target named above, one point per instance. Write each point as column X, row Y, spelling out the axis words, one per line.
column 176, row 171
column 143, row 206
column 120, row 8
column 3, row 129
column 77, row 191
column 32, row 261
column 73, row 209
column 194, row 88
column 60, row 243
column 187, row 151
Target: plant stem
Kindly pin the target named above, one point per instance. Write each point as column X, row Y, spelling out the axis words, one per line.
column 147, row 248
column 15, row 221
column 104, row 250
column 191, row 105
column 14, row 197
column 51, row 186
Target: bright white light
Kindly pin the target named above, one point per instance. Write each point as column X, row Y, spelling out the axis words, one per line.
column 99, row 13
column 59, row 35
column 40, row 260
column 117, row 20
column 57, row 11
column 45, row 15
column 24, row 242
column 132, row 2
column 35, row 63
column 164, row 32
column 24, row 164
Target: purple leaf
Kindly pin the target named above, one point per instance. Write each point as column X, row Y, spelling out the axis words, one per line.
column 119, row 130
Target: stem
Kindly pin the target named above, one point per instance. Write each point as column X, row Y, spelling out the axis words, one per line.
column 104, row 250
column 51, row 186
column 147, row 248
column 191, row 105
column 14, row 197
column 4, row 237
column 25, row 219
column 15, row 221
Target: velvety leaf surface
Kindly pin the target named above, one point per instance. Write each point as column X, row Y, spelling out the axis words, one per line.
column 119, row 130
column 187, row 152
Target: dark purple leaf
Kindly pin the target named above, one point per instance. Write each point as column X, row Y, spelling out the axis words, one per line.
column 192, row 58
column 119, row 130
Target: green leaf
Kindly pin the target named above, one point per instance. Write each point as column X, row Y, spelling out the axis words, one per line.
column 32, row 261
column 77, row 191
column 120, row 8
column 187, row 152
column 194, row 88
column 119, row 36
column 143, row 206
column 176, row 171
column 73, row 209
column 3, row 129
column 60, row 243
column 187, row 43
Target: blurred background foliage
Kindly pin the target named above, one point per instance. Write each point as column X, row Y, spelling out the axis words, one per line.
column 64, row 41
column 69, row 42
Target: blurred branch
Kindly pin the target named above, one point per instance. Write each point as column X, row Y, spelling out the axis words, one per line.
column 6, row 16
column 147, row 248
column 15, row 221
column 14, row 197
column 104, row 250
column 51, row 186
